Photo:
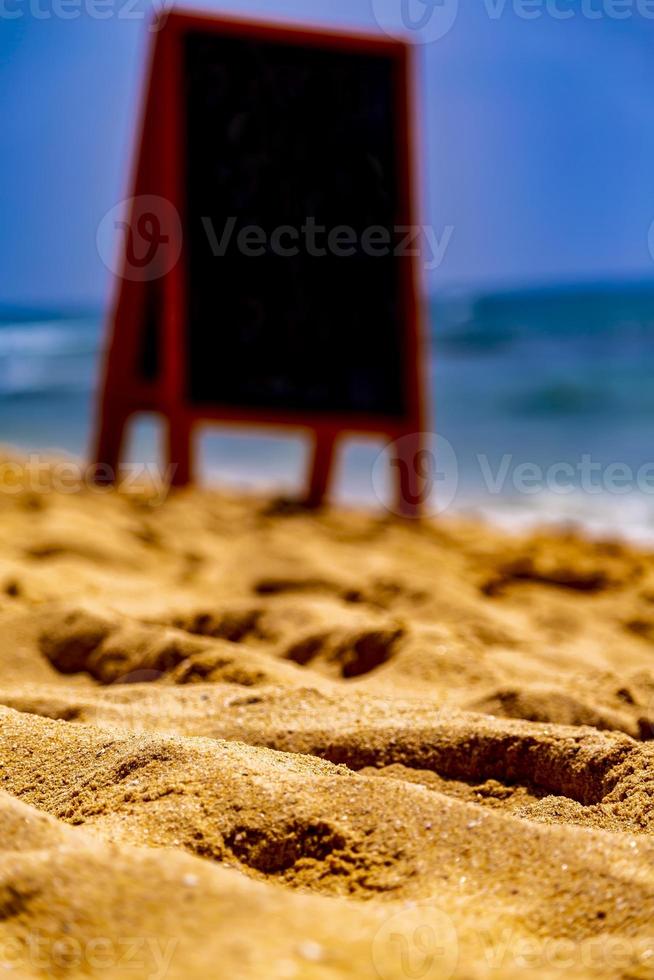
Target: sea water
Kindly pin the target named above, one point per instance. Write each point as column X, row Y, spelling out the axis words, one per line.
column 545, row 398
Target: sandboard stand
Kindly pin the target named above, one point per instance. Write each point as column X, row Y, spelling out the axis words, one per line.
column 151, row 313
column 178, row 458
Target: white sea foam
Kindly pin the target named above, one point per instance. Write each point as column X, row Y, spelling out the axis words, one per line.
column 45, row 355
column 629, row 517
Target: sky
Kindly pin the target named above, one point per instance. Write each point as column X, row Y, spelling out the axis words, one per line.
column 537, row 148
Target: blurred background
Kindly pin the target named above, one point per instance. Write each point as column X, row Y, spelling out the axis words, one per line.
column 537, row 177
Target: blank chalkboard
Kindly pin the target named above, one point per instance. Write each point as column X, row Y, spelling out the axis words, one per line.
column 284, row 134
column 263, row 274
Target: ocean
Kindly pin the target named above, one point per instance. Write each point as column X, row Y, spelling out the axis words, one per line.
column 542, row 400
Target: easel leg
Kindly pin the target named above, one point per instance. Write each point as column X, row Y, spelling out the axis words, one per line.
column 412, row 482
column 109, row 445
column 320, row 469
column 179, row 451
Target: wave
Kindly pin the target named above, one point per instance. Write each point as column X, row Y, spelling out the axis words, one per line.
column 488, row 322
column 44, row 356
column 626, row 517
column 542, row 375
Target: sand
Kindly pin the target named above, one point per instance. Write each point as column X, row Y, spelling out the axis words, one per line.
column 242, row 740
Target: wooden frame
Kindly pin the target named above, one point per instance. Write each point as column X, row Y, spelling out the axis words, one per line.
column 159, row 170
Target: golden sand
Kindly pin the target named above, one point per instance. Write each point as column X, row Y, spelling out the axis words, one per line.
column 241, row 740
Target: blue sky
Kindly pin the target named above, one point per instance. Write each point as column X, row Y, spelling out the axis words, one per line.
column 538, row 141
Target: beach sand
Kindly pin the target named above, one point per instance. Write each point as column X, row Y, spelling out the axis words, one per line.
column 241, row 740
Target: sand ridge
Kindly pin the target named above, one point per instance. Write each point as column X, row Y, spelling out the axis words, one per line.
column 400, row 750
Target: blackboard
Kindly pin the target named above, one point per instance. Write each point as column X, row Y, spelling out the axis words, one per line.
column 301, row 138
column 281, row 134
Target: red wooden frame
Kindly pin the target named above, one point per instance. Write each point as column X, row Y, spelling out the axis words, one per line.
column 159, row 170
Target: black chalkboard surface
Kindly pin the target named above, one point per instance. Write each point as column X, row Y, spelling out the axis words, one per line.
column 286, row 136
